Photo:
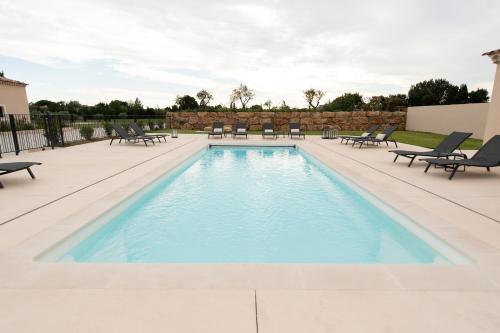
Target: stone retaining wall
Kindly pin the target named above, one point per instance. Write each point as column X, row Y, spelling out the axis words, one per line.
column 310, row 121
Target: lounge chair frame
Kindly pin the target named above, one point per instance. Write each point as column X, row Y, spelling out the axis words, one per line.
column 6, row 168
column 269, row 126
column 235, row 133
column 488, row 156
column 140, row 132
column 369, row 132
column 445, row 149
column 215, row 125
column 295, row 126
column 122, row 134
column 373, row 140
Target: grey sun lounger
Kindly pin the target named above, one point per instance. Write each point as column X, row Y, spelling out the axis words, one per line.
column 140, row 132
column 486, row 157
column 268, row 130
column 385, row 136
column 445, row 148
column 122, row 134
column 217, row 129
column 241, row 129
column 6, row 168
column 294, row 130
column 369, row 133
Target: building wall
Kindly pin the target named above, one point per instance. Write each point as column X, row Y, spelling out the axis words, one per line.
column 14, row 99
column 493, row 120
column 311, row 121
column 444, row 119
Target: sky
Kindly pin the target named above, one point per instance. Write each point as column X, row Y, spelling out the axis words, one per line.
column 97, row 51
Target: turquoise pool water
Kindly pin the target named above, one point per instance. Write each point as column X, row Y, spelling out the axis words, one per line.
column 253, row 205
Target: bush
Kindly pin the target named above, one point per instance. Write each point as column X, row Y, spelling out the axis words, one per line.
column 140, row 123
column 4, row 126
column 108, row 129
column 151, row 124
column 87, row 131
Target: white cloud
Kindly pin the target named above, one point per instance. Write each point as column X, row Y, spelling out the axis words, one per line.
column 278, row 48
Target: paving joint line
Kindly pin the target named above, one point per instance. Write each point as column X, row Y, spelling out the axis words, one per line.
column 411, row 184
column 92, row 184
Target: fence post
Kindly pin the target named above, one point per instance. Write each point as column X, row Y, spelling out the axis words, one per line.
column 59, row 123
column 14, row 133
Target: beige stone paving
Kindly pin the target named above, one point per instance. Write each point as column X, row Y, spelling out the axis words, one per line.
column 52, row 297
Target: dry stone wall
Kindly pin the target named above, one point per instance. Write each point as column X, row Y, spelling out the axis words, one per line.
column 309, row 121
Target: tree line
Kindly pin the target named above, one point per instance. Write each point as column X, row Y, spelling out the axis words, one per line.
column 430, row 92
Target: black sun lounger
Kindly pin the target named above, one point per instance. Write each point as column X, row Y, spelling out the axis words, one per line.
column 366, row 134
column 6, row 168
column 295, row 130
column 486, row 157
column 445, row 148
column 385, row 136
column 217, row 129
column 240, row 130
column 122, row 134
column 268, row 130
column 140, row 132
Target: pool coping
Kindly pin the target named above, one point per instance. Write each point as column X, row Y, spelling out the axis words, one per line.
column 19, row 260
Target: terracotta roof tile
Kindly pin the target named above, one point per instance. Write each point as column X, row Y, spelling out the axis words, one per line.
column 9, row 82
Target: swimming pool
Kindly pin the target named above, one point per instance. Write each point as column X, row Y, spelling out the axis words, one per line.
column 254, row 205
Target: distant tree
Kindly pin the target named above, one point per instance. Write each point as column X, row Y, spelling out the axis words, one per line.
column 204, row 97
column 313, row 97
column 136, row 107
column 346, row 102
column 284, row 106
column 479, row 96
column 2, row 74
column 268, row 104
column 256, row 107
column 437, row 92
column 186, row 102
column 243, row 94
column 117, row 107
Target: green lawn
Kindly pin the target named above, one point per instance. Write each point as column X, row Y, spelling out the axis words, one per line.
column 423, row 139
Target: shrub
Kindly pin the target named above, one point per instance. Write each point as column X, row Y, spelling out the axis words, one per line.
column 151, row 124
column 87, row 131
column 4, row 126
column 140, row 123
column 108, row 129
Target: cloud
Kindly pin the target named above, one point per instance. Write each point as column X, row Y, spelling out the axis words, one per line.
column 279, row 48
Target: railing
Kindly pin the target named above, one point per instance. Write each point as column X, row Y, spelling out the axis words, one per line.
column 23, row 132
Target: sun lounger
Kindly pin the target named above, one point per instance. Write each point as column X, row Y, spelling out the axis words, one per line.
column 445, row 148
column 217, row 129
column 268, row 130
column 366, row 134
column 240, row 130
column 486, row 157
column 295, row 130
column 385, row 136
column 6, row 168
column 122, row 134
column 140, row 132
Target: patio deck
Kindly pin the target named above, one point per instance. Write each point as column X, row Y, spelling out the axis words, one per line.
column 78, row 183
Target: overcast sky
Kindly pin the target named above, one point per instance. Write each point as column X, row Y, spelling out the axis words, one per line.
column 95, row 51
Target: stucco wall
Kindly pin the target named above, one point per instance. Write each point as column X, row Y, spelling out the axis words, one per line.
column 14, row 99
column 444, row 119
column 311, row 121
column 493, row 121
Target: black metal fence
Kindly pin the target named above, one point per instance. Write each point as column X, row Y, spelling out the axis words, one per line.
column 22, row 132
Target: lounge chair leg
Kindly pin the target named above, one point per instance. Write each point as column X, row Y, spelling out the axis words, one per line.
column 395, row 158
column 488, row 168
column 411, row 161
column 31, row 173
column 1, row 185
column 455, row 168
column 427, row 168
column 396, row 144
column 111, row 141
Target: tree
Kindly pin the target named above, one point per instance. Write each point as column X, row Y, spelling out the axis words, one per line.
column 479, row 96
column 284, row 106
column 313, row 97
column 437, row 92
column 243, row 94
column 205, row 97
column 186, row 102
column 346, row 102
column 268, row 104
column 2, row 74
